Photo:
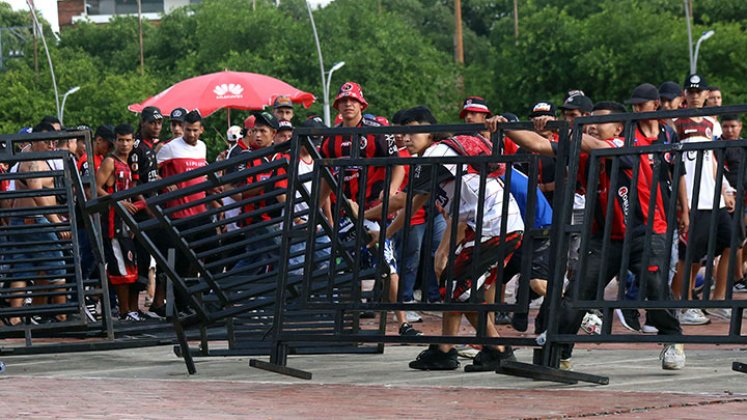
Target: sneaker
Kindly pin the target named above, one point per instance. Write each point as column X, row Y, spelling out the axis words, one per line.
column 158, row 310
column 489, row 359
column 740, row 287
column 412, row 317
column 693, row 317
column 629, row 319
column 566, row 364
column 673, row 357
column 145, row 315
column 468, row 352
column 368, row 315
column 649, row 329
column 502, row 318
column 520, row 321
column 722, row 313
column 591, row 324
column 435, row 359
column 132, row 316
column 406, row 330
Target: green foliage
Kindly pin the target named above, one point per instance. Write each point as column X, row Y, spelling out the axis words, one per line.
column 400, row 51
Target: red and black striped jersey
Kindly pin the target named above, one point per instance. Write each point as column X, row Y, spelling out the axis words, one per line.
column 379, row 145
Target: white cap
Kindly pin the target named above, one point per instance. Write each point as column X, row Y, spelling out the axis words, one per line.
column 234, row 134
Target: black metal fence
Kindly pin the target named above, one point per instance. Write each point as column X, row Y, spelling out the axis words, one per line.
column 43, row 289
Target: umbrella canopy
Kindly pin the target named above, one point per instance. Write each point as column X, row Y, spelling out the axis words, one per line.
column 225, row 89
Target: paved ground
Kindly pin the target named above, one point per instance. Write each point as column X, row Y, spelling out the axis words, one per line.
column 152, row 383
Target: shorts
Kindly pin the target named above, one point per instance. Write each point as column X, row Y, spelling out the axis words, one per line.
column 121, row 260
column 368, row 257
column 487, row 264
column 53, row 263
column 540, row 265
column 700, row 227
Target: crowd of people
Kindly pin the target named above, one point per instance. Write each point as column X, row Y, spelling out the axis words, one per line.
column 125, row 156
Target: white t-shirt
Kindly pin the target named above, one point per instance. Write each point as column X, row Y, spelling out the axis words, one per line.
column 470, row 189
column 690, row 131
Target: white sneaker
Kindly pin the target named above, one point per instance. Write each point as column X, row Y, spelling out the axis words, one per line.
column 722, row 313
column 649, row 329
column 412, row 316
column 566, row 364
column 693, row 317
column 591, row 324
column 673, row 357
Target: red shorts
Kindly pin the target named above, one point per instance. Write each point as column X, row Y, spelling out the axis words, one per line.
column 487, row 265
column 121, row 263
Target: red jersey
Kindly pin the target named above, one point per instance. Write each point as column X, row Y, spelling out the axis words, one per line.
column 370, row 146
column 178, row 157
column 621, row 205
column 113, row 225
column 419, row 217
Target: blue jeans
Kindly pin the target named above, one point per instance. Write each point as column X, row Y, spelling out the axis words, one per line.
column 409, row 255
column 53, row 264
column 321, row 254
column 255, row 255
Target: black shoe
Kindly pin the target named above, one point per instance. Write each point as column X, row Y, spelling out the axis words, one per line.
column 435, row 359
column 489, row 359
column 502, row 318
column 520, row 321
column 629, row 319
column 406, row 330
column 368, row 315
column 159, row 310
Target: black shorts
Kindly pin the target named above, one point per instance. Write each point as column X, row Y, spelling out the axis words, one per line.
column 540, row 266
column 700, row 229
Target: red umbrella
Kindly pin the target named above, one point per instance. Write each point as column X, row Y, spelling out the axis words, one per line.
column 225, row 89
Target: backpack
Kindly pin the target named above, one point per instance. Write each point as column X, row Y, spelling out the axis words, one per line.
column 475, row 146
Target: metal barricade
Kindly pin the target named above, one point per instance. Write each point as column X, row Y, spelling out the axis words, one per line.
column 349, row 263
column 43, row 291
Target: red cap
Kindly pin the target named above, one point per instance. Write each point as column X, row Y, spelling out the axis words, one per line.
column 383, row 121
column 351, row 90
column 474, row 104
column 249, row 122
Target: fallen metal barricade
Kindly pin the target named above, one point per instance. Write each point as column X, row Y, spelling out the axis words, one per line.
column 321, row 293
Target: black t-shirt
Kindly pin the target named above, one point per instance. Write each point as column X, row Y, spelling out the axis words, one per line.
column 732, row 157
column 142, row 161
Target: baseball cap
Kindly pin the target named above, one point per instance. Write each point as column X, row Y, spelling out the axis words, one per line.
column 581, row 102
column 106, row 132
column 474, row 104
column 643, row 93
column 178, row 114
column 266, row 118
column 351, row 90
column 511, row 117
column 695, row 81
column 282, row 101
column 26, row 130
column 249, row 122
column 542, row 108
column 234, row 134
column 670, row 90
column 285, row 125
column 150, row 113
column 314, row 121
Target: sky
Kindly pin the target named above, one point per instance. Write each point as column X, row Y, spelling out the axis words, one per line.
column 48, row 8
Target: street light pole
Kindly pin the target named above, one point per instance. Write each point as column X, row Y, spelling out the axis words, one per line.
column 64, row 99
column 327, row 112
column 689, row 36
column 706, row 35
column 325, row 89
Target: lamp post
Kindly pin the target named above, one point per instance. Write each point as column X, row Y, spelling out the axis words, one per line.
column 64, row 98
column 706, row 35
column 327, row 113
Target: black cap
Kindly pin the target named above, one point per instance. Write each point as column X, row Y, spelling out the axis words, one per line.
column 643, row 93
column 285, row 125
column 314, row 121
column 106, row 132
column 282, row 101
column 670, row 90
column 580, row 102
column 178, row 114
column 695, row 81
column 542, row 108
column 266, row 118
column 510, row 116
column 151, row 113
